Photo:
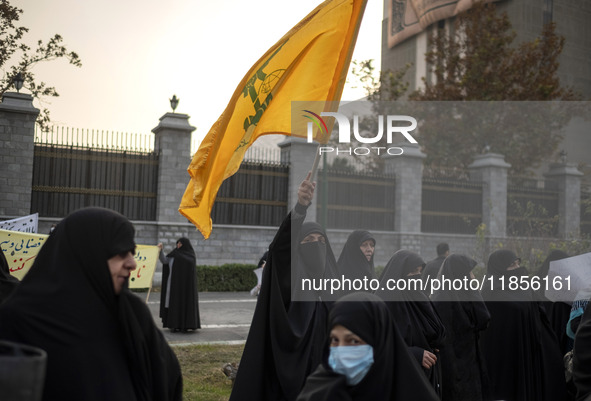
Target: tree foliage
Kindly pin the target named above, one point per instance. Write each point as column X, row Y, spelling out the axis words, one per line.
column 477, row 61
column 16, row 56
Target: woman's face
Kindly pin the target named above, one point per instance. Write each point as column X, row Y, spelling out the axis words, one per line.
column 367, row 248
column 514, row 265
column 314, row 237
column 416, row 271
column 120, row 267
column 341, row 336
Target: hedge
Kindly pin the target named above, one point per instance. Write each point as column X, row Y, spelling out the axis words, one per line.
column 232, row 277
column 228, row 277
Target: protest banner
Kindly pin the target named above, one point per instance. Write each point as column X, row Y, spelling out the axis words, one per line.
column 21, row 249
column 25, row 224
column 566, row 277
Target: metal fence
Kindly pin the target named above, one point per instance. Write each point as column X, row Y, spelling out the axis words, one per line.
column 451, row 205
column 355, row 200
column 78, row 168
column 255, row 195
column 532, row 207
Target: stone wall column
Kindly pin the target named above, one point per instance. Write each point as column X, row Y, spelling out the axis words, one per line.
column 173, row 141
column 17, row 141
column 491, row 170
column 300, row 155
column 408, row 193
column 569, row 197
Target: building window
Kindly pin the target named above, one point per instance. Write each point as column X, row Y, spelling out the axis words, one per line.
column 547, row 11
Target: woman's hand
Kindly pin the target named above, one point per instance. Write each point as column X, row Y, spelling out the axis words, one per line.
column 306, row 191
column 429, row 359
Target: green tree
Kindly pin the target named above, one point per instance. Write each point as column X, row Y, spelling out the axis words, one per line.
column 17, row 57
column 478, row 61
column 381, row 90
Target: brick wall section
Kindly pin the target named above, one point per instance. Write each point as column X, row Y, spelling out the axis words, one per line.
column 17, row 130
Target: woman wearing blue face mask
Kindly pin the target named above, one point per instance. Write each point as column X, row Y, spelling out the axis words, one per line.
column 365, row 357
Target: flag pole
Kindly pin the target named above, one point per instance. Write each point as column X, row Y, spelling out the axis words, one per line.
column 315, row 164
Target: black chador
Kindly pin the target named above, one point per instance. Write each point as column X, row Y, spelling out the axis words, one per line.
column 352, row 263
column 465, row 316
column 394, row 375
column 413, row 312
column 522, row 354
column 286, row 337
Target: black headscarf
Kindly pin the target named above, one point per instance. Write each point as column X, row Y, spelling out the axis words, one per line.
column 497, row 289
column 522, row 355
column 99, row 345
column 286, row 337
column 464, row 315
column 413, row 312
column 352, row 262
column 185, row 250
column 394, row 374
column 7, row 282
column 313, row 260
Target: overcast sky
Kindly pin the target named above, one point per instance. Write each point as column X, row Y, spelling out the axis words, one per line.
column 137, row 53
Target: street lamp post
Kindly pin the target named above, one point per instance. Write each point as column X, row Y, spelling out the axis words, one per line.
column 174, row 102
column 18, row 82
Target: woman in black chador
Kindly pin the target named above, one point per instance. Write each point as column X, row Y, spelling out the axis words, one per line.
column 365, row 358
column 522, row 355
column 356, row 259
column 289, row 326
column 74, row 303
column 179, row 301
column 465, row 316
column 413, row 313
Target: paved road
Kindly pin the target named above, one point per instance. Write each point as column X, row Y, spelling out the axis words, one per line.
column 225, row 318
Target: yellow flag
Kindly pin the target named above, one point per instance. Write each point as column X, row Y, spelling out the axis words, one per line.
column 309, row 64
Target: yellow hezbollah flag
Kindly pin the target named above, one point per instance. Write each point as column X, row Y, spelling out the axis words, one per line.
column 309, row 64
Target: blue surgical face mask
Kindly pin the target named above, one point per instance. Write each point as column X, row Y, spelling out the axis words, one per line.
column 351, row 361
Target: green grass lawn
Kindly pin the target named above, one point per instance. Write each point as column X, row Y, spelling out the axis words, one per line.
column 203, row 379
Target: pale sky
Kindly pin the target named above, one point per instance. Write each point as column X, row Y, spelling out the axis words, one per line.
column 137, row 53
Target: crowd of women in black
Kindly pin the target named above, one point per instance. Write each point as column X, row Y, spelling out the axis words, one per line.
column 463, row 344
column 401, row 345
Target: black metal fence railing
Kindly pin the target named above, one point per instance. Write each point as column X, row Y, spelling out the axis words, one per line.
column 66, row 178
column 355, row 200
column 532, row 207
column 255, row 195
column 451, row 205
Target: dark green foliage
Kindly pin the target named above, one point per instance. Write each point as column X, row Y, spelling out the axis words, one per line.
column 228, row 277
